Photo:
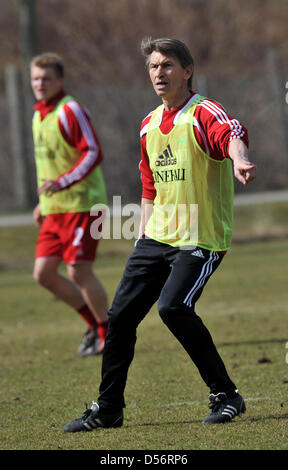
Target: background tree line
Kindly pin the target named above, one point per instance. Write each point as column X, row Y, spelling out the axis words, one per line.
column 240, row 52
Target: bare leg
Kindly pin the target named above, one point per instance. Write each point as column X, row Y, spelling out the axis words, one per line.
column 91, row 289
column 46, row 274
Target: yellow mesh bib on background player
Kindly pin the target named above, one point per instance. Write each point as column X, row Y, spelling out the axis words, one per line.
column 53, row 157
column 194, row 193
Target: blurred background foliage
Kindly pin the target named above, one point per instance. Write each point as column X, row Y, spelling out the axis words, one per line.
column 240, row 52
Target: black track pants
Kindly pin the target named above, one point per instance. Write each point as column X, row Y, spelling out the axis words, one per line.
column 175, row 277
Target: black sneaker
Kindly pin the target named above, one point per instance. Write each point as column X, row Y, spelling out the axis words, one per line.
column 93, row 418
column 89, row 346
column 224, row 409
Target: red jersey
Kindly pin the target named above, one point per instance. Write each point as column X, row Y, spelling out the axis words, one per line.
column 214, row 128
column 76, row 128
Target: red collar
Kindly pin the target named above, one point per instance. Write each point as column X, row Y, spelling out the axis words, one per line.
column 175, row 110
column 45, row 107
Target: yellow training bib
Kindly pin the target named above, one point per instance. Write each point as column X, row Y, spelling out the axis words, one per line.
column 194, row 193
column 53, row 157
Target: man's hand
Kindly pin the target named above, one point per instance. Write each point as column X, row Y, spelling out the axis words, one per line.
column 38, row 218
column 49, row 187
column 244, row 170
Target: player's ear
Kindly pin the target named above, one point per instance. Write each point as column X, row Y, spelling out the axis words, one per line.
column 188, row 71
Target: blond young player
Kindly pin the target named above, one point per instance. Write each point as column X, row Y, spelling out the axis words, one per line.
column 68, row 160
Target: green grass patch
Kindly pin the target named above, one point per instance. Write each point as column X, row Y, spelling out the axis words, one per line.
column 44, row 384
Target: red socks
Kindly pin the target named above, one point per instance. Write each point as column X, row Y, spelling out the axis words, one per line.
column 92, row 323
column 88, row 317
column 102, row 330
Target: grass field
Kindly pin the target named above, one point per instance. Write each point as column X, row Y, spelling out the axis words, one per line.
column 44, row 385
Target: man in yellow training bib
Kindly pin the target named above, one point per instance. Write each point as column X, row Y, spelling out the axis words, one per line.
column 68, row 160
column 189, row 146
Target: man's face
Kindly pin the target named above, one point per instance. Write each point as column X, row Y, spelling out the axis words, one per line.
column 45, row 83
column 168, row 77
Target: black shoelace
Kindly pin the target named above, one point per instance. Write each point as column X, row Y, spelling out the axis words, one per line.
column 215, row 405
column 87, row 412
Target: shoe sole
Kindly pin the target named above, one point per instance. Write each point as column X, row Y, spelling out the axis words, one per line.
column 98, row 424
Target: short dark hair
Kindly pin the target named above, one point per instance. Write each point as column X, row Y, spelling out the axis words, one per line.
column 50, row 59
column 169, row 47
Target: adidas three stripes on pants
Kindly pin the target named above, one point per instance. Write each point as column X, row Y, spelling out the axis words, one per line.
column 175, row 278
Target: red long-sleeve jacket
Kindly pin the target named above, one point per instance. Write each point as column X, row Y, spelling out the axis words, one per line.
column 214, row 128
column 77, row 129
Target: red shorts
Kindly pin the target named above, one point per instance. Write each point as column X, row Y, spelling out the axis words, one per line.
column 67, row 236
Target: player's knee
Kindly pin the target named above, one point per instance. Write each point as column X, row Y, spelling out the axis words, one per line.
column 42, row 277
column 37, row 276
column 78, row 278
column 74, row 276
column 79, row 275
column 166, row 311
